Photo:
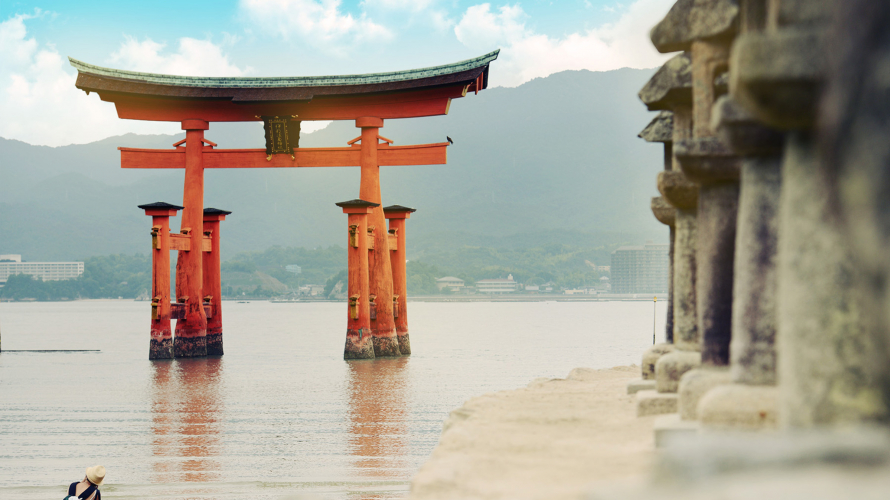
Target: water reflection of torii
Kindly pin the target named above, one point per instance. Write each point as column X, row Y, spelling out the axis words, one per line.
column 281, row 103
column 186, row 409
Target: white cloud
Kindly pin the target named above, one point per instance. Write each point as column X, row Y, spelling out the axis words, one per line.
column 527, row 55
column 403, row 5
column 320, row 23
column 40, row 104
column 194, row 58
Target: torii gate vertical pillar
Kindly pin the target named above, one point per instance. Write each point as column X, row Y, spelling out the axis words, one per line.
column 191, row 332
column 396, row 215
column 161, row 343
column 212, row 280
column 383, row 328
column 359, row 340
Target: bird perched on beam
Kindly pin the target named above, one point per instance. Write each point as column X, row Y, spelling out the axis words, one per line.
column 449, row 140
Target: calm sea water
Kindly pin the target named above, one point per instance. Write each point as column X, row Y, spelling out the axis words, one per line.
column 281, row 414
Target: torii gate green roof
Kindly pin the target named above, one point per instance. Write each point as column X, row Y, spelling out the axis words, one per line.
column 286, row 81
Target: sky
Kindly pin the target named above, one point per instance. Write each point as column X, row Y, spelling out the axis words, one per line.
column 40, row 105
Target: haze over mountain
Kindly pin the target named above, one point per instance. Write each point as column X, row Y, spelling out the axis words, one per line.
column 555, row 160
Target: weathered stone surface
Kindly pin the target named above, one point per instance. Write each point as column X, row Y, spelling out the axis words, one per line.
column 707, row 159
column 670, row 86
column 663, row 211
column 671, row 429
column 856, row 153
column 778, row 76
column 189, row 343
column 678, row 190
column 803, row 12
column 671, row 367
column 753, row 346
column 160, row 349
column 359, row 345
column 690, row 20
column 655, row 403
column 739, row 407
column 709, row 58
column 214, row 341
column 404, row 344
column 742, row 132
column 650, row 358
column 385, row 347
column 696, row 383
column 685, row 332
column 827, row 373
column 638, row 384
column 716, row 230
column 660, row 129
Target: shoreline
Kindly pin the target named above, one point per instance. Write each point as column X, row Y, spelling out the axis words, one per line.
column 554, row 439
column 422, row 298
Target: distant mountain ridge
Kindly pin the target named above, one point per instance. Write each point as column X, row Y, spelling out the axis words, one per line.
column 555, row 160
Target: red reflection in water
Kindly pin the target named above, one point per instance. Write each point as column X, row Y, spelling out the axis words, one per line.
column 186, row 407
column 378, row 434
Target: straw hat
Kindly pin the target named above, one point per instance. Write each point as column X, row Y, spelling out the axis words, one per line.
column 96, row 474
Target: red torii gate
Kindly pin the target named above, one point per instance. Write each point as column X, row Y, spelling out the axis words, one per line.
column 282, row 103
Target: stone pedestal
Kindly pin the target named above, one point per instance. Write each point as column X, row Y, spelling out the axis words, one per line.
column 671, row 367
column 695, row 384
column 638, row 384
column 651, row 357
column 671, row 429
column 739, row 407
column 655, row 403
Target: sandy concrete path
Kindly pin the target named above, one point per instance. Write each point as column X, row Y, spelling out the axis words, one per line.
column 553, row 439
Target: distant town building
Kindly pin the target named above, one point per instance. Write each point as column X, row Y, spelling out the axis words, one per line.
column 604, row 269
column 312, row 290
column 450, row 282
column 497, row 285
column 11, row 264
column 293, row 268
column 640, row 269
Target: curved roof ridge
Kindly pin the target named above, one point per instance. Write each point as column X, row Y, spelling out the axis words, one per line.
column 285, row 81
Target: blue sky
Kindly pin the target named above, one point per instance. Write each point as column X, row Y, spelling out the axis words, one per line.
column 39, row 104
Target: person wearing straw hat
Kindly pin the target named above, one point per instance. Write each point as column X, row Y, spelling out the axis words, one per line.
column 88, row 489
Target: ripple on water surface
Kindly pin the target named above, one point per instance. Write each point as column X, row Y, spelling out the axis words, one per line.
column 281, row 412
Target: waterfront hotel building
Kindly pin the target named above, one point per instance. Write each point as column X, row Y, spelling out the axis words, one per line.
column 11, row 264
column 640, row 269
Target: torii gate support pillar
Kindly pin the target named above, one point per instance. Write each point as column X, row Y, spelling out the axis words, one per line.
column 212, row 283
column 383, row 328
column 191, row 332
column 359, row 340
column 397, row 215
column 161, row 343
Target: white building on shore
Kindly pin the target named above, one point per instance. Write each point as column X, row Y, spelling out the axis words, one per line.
column 497, row 285
column 11, row 264
column 450, row 282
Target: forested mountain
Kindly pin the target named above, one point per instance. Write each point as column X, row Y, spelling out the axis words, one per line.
column 553, row 161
